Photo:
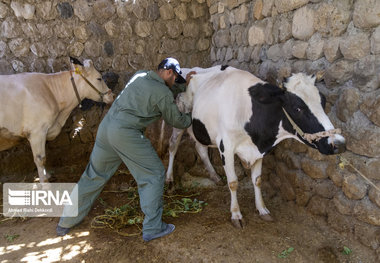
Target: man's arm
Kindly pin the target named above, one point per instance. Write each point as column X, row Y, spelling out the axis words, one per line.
column 172, row 115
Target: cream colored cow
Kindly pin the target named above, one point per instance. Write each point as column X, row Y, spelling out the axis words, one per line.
column 35, row 106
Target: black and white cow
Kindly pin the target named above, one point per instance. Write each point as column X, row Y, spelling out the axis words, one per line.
column 240, row 114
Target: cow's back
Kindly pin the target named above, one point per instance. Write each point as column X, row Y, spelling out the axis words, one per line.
column 221, row 99
column 24, row 100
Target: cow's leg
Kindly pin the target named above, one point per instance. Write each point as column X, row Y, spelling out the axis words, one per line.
column 160, row 150
column 203, row 153
column 175, row 139
column 37, row 143
column 228, row 162
column 256, row 180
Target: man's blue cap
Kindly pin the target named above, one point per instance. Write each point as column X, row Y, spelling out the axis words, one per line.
column 172, row 63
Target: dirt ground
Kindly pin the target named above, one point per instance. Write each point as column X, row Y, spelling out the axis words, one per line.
column 207, row 236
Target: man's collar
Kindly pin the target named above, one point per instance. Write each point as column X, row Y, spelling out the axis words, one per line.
column 155, row 76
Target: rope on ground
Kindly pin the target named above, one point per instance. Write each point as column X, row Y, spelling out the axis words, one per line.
column 344, row 162
column 129, row 214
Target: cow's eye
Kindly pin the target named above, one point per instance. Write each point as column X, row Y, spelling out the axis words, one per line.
column 298, row 110
column 100, row 79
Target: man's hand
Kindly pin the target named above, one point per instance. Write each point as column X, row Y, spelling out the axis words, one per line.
column 189, row 75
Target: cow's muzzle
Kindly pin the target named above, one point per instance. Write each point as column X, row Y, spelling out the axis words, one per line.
column 339, row 145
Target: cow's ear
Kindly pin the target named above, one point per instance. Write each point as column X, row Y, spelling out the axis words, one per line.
column 75, row 61
column 266, row 93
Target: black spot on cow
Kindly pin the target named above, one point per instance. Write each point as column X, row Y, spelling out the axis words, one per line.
column 267, row 103
column 223, row 67
column 262, row 127
column 221, row 146
column 200, row 132
column 75, row 61
column 323, row 100
column 305, row 119
column 223, row 160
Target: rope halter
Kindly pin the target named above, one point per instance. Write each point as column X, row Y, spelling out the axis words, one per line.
column 79, row 72
column 310, row 137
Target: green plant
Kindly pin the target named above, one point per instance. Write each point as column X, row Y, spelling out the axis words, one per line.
column 11, row 238
column 346, row 250
column 286, row 252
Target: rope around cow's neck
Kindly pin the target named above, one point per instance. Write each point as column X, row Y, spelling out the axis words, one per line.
column 310, row 137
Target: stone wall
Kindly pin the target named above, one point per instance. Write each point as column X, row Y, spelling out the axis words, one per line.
column 270, row 38
column 119, row 36
column 340, row 38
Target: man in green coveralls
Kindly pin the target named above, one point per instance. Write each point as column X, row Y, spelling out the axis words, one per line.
column 120, row 138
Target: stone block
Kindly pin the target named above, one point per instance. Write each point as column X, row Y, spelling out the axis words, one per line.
column 197, row 10
column 303, row 23
column 354, row 188
column 19, row 47
column 314, row 169
column 331, row 49
column 256, row 35
column 314, row 50
column 342, row 204
column 367, row 212
column 363, row 136
column 289, row 5
column 374, row 194
column 3, row 10
column 181, row 12
column 339, row 72
column 371, row 107
column 325, row 188
column 258, row 9
column 222, row 38
column 299, row 49
column 23, row 10
column 83, row 10
column 348, row 103
column 332, row 18
column 268, row 6
column 355, row 45
column 375, row 41
column 10, row 28
column 143, row 28
column 366, row 13
column 241, row 14
column 167, row 12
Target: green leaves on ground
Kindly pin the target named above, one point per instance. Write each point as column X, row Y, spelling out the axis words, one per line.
column 286, row 252
column 346, row 250
column 11, row 238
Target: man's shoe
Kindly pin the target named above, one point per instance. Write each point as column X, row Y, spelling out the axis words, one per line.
column 170, row 228
column 61, row 231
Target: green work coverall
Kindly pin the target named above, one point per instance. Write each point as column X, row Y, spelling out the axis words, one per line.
column 120, row 138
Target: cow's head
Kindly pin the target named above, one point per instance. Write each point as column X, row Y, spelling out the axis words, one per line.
column 91, row 82
column 303, row 105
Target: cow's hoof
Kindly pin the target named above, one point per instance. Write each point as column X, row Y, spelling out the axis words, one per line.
column 170, row 188
column 217, row 180
column 238, row 223
column 267, row 217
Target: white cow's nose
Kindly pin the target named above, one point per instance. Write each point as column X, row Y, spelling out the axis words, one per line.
column 339, row 144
